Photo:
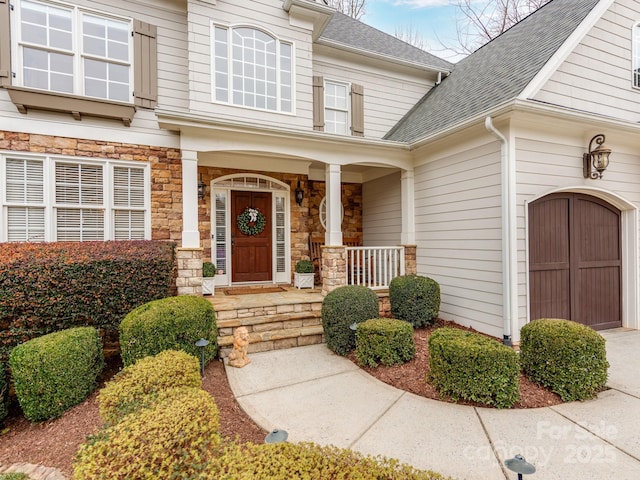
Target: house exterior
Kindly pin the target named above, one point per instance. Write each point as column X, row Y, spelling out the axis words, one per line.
column 201, row 121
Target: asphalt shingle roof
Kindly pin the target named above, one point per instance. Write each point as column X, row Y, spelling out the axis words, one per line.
column 347, row 31
column 495, row 73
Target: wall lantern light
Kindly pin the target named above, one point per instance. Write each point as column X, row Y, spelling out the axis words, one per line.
column 519, row 465
column 299, row 194
column 202, row 188
column 597, row 160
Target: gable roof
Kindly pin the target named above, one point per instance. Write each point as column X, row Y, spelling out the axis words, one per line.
column 497, row 72
column 349, row 32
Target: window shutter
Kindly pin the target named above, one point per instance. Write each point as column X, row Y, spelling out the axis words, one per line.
column 318, row 103
column 357, row 110
column 145, row 59
column 5, row 44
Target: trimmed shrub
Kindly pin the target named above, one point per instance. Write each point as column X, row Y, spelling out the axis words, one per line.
column 564, row 356
column 307, row 460
column 208, row 269
column 48, row 287
column 414, row 299
column 174, row 439
column 384, row 340
column 57, row 371
column 4, row 393
column 138, row 385
column 473, row 367
column 304, row 266
column 342, row 307
column 173, row 323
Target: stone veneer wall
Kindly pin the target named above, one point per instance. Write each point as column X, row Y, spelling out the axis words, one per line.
column 189, row 281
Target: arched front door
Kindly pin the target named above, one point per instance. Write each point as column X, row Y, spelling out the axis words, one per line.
column 575, row 260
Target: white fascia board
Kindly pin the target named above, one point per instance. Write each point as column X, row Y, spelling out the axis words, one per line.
column 319, row 14
column 565, row 50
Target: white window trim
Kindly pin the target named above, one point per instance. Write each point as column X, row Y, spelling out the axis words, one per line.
column 78, row 69
column 279, row 40
column 349, row 126
column 635, row 54
column 49, row 162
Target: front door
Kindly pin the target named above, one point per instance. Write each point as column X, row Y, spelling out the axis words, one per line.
column 575, row 260
column 250, row 250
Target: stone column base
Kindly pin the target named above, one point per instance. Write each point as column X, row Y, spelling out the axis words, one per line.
column 410, row 260
column 189, row 281
column 334, row 268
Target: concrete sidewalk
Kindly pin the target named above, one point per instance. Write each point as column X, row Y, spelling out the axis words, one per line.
column 320, row 397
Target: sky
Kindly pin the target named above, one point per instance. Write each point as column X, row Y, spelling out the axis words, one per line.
column 434, row 19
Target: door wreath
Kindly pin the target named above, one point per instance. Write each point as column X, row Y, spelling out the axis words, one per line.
column 252, row 221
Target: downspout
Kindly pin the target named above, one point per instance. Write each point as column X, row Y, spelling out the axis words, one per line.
column 509, row 245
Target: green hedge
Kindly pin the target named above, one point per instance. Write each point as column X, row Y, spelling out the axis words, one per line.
column 57, row 371
column 342, row 307
column 565, row 356
column 4, row 393
column 173, row 323
column 306, row 460
column 138, row 385
column 414, row 299
column 14, row 476
column 384, row 340
column 470, row 366
column 47, row 287
column 174, row 439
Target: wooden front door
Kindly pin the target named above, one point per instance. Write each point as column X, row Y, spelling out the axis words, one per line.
column 575, row 260
column 251, row 254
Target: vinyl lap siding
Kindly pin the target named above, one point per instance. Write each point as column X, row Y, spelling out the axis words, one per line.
column 459, row 235
column 382, row 211
column 596, row 76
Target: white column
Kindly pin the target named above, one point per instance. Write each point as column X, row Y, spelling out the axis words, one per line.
column 190, row 233
column 333, row 235
column 407, row 195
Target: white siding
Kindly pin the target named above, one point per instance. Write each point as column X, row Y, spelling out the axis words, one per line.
column 459, row 235
column 382, row 211
column 388, row 93
column 596, row 76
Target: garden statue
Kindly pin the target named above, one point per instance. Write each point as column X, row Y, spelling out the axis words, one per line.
column 238, row 357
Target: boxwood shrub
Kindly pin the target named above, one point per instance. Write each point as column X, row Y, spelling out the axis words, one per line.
column 57, row 371
column 174, row 439
column 384, row 340
column 173, row 323
column 565, row 356
column 138, row 385
column 342, row 307
column 415, row 299
column 470, row 366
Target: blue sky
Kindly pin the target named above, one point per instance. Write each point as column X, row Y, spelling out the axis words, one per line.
column 434, row 19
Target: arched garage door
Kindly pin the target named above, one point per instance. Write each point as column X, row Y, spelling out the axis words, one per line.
column 575, row 260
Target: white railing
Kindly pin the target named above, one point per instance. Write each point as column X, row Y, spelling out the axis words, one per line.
column 374, row 267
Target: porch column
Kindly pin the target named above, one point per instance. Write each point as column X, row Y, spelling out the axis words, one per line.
column 190, row 233
column 407, row 195
column 333, row 234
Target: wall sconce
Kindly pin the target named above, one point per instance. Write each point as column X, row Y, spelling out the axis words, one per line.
column 202, row 188
column 299, row 194
column 597, row 160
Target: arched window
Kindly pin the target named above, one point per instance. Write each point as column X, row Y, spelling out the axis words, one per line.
column 636, row 55
column 252, row 69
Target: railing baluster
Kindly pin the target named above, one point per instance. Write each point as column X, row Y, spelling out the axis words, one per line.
column 374, row 267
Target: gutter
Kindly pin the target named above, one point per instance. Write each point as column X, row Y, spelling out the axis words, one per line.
column 509, row 230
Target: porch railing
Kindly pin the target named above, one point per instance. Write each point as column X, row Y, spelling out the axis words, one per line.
column 374, row 267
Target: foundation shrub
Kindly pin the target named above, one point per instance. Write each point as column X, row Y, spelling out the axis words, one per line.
column 384, row 340
column 47, row 287
column 173, row 323
column 283, row 461
column 174, row 439
column 57, row 371
column 139, row 385
column 342, row 307
column 470, row 366
column 415, row 299
column 564, row 356
column 4, row 393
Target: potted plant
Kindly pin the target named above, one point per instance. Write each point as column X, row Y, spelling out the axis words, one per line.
column 303, row 276
column 208, row 278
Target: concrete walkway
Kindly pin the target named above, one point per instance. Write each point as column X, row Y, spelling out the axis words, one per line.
column 320, row 397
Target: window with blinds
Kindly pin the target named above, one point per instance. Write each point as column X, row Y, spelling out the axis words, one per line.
column 128, row 203
column 24, row 187
column 221, row 232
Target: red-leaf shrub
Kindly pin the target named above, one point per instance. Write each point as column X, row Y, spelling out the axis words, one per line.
column 47, row 287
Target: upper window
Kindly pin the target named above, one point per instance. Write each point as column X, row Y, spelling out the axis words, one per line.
column 336, row 108
column 252, row 69
column 636, row 56
column 71, row 50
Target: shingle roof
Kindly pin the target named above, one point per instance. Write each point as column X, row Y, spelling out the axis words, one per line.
column 347, row 31
column 495, row 73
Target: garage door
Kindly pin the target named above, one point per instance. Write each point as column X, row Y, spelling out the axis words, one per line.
column 575, row 260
